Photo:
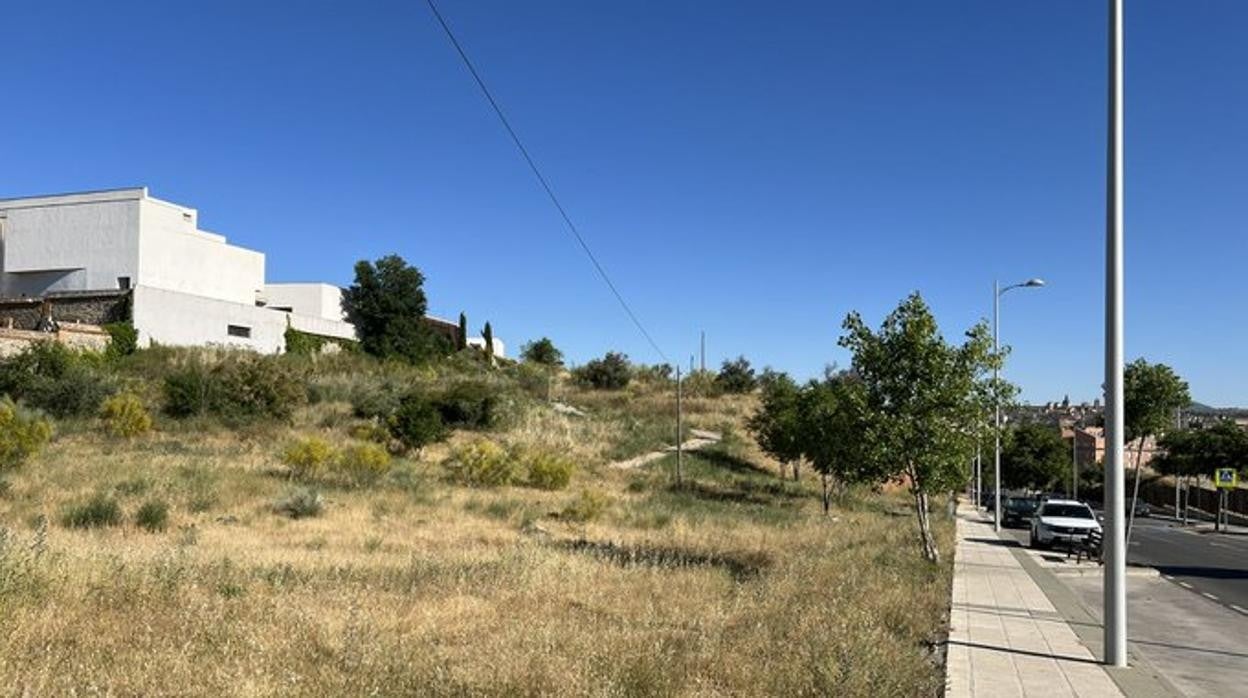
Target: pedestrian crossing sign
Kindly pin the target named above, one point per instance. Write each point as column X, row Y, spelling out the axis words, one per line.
column 1227, row 478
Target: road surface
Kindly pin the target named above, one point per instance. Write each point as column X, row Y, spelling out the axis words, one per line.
column 1212, row 565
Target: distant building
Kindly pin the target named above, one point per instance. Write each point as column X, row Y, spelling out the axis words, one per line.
column 103, row 256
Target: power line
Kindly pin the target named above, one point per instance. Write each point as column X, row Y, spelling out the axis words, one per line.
column 542, row 179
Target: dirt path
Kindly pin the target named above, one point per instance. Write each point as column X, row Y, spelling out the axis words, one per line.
column 699, row 440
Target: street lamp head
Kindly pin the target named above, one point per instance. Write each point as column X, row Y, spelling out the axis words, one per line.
column 1032, row 283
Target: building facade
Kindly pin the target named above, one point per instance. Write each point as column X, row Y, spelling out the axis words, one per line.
column 187, row 286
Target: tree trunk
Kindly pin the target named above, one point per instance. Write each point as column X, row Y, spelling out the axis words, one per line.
column 827, row 502
column 928, row 543
column 1139, row 456
column 797, row 472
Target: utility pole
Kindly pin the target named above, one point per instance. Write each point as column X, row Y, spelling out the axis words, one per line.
column 1115, row 583
column 996, row 404
column 702, row 359
column 979, row 473
column 680, row 455
column 1178, row 424
column 1074, row 462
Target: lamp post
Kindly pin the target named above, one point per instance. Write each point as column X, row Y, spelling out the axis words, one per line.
column 997, row 292
column 1114, row 593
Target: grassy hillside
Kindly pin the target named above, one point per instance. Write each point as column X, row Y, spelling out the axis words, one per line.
column 619, row 584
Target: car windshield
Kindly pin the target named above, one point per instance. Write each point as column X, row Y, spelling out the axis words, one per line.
column 1070, row 511
column 1020, row 504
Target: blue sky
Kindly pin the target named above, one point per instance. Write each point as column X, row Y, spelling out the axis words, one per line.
column 754, row 169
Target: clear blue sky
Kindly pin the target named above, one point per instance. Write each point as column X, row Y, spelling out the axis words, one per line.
column 752, row 169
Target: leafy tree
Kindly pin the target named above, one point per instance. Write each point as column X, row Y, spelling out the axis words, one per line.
column 776, row 424
column 1152, row 394
column 736, row 376
column 387, row 306
column 542, row 351
column 921, row 399
column 1200, row 451
column 1034, row 456
column 611, row 372
column 461, row 339
column 832, row 420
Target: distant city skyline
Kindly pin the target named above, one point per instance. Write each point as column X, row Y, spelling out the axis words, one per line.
column 752, row 170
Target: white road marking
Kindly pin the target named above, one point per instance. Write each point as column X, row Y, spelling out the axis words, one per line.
column 1209, row 596
column 1167, row 577
column 1185, row 585
column 1240, row 609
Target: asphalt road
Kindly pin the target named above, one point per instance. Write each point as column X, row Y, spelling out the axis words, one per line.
column 1214, row 565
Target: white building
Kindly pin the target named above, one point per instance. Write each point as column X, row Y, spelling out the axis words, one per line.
column 189, row 286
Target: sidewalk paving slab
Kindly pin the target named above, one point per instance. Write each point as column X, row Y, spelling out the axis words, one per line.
column 1006, row 638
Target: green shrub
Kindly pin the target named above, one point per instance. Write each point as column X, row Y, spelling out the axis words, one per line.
column 363, row 463
column 123, row 339
column 416, row 423
column 152, row 516
column 258, row 386
column 736, row 376
column 240, row 387
column 300, row 503
column 481, row 463
column 470, row 405
column 96, row 512
column 611, row 372
column 308, row 457
column 59, row 380
column 589, row 505
column 546, row 470
column 22, row 433
column 375, row 402
column 188, row 391
column 125, row 416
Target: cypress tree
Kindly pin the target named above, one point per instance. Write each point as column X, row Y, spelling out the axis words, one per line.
column 488, row 335
column 461, row 340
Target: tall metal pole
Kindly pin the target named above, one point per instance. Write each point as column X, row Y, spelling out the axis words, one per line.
column 1115, row 591
column 996, row 400
column 979, row 474
column 680, row 455
column 1178, row 424
column 702, row 360
column 1074, row 462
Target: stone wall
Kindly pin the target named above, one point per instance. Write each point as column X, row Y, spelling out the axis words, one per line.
column 76, row 336
column 82, row 307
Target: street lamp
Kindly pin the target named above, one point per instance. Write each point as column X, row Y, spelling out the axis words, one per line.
column 997, row 292
column 1114, row 594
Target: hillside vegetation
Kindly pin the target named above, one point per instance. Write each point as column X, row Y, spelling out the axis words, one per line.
column 220, row 523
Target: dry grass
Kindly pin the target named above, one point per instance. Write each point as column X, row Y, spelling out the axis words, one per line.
column 736, row 585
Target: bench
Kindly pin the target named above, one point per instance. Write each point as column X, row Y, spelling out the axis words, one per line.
column 1089, row 547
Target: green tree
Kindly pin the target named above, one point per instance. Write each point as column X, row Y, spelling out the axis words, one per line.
column 461, row 339
column 832, row 420
column 776, row 425
column 1199, row 451
column 543, row 352
column 1152, row 394
column 487, row 338
column 921, row 401
column 1034, row 456
column 387, row 306
column 611, row 372
column 736, row 376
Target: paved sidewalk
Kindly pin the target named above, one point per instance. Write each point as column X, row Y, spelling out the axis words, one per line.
column 1005, row 637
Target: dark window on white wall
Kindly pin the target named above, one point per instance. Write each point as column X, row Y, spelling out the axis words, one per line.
column 238, row 331
column 123, row 283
